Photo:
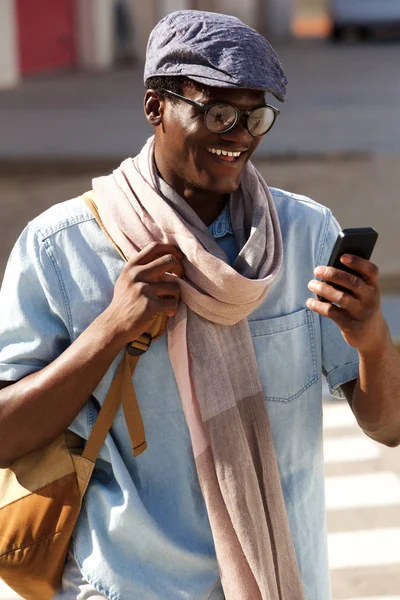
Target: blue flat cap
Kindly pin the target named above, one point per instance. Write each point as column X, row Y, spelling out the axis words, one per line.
column 215, row 50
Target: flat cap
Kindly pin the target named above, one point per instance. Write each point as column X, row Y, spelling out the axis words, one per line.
column 215, row 50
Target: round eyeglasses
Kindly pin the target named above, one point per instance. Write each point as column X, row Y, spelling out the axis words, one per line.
column 221, row 117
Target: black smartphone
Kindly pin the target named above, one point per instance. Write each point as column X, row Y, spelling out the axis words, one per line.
column 357, row 240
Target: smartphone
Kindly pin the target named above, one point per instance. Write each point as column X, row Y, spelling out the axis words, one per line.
column 359, row 241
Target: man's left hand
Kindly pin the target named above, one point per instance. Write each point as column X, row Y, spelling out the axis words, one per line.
column 358, row 307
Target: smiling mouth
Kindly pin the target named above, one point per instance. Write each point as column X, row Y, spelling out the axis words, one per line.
column 225, row 155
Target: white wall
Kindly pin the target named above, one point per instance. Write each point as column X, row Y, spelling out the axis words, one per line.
column 168, row 6
column 9, row 67
column 246, row 11
column 144, row 13
column 95, row 39
column 279, row 15
column 270, row 17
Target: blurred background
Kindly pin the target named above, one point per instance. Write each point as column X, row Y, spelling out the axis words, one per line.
column 71, row 93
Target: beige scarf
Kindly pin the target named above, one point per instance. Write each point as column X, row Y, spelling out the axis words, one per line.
column 214, row 363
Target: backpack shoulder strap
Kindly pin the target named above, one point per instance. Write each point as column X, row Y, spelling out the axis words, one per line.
column 122, row 388
column 90, row 202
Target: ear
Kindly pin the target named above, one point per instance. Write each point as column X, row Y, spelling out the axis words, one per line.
column 153, row 107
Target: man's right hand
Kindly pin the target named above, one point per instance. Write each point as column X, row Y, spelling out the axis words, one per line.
column 146, row 287
column 36, row 409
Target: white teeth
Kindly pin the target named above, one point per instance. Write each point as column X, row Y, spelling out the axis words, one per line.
column 223, row 152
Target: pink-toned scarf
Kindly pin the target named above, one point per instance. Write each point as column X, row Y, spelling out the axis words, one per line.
column 214, row 363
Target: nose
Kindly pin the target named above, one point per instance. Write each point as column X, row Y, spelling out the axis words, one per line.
column 239, row 135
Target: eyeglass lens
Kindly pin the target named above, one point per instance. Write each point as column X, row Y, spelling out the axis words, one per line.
column 260, row 120
column 221, row 117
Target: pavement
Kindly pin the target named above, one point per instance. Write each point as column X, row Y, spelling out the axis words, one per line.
column 362, row 480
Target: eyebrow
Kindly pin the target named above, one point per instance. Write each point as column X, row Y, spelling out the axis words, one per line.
column 212, row 100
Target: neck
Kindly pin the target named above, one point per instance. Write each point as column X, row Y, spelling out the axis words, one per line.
column 207, row 205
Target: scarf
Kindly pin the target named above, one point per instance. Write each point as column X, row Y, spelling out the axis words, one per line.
column 214, row 364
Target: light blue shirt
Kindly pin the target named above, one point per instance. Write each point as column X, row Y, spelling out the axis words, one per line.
column 221, row 230
column 143, row 533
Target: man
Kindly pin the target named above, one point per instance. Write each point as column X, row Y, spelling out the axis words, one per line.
column 227, row 501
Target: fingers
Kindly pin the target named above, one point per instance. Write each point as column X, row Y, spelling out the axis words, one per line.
column 163, row 289
column 154, row 262
column 164, row 297
column 341, row 297
column 350, row 282
column 162, row 268
column 366, row 273
column 353, row 292
column 159, row 267
column 338, row 315
column 368, row 270
column 154, row 251
column 147, row 286
column 353, row 297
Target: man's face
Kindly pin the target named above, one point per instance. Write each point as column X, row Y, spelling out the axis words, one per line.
column 185, row 147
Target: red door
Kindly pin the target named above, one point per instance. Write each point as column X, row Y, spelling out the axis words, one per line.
column 46, row 35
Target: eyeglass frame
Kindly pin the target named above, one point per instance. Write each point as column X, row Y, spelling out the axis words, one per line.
column 206, row 106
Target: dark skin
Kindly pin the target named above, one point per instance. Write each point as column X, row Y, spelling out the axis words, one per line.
column 35, row 410
column 202, row 179
column 375, row 395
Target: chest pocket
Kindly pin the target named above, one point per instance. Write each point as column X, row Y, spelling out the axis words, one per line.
column 286, row 354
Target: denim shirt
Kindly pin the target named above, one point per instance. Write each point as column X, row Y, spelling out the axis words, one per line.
column 143, row 532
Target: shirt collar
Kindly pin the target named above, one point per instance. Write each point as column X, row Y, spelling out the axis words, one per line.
column 222, row 224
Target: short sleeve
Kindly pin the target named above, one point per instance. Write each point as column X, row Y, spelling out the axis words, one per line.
column 33, row 312
column 339, row 359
